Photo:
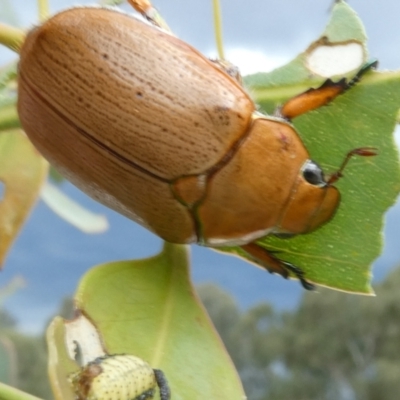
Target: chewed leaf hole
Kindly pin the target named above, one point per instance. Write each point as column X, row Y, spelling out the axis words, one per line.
column 334, row 60
column 2, row 190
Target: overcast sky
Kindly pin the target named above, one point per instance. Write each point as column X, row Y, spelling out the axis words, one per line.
column 258, row 35
column 276, row 29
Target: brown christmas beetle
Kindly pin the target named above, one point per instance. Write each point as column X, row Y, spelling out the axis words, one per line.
column 148, row 126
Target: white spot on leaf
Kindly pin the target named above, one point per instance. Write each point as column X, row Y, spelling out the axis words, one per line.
column 83, row 340
column 334, row 60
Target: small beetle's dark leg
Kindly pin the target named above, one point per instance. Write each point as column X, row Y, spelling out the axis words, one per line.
column 78, row 354
column 273, row 264
column 165, row 391
column 321, row 96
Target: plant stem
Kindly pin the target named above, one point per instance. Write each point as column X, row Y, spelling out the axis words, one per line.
column 111, row 2
column 11, row 37
column 9, row 118
column 218, row 29
column 10, row 393
column 44, row 11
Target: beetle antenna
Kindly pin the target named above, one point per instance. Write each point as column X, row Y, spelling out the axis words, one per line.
column 361, row 151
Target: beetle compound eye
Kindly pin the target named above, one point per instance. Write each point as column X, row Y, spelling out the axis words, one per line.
column 313, row 174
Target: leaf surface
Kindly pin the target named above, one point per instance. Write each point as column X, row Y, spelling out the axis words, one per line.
column 148, row 308
column 22, row 172
column 339, row 254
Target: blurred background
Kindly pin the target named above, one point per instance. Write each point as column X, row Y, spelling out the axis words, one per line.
column 271, row 327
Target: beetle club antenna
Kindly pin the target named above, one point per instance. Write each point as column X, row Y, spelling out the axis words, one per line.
column 362, row 151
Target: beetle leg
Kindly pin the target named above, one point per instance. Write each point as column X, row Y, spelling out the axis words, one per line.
column 149, row 12
column 274, row 265
column 229, row 68
column 165, row 391
column 299, row 274
column 321, row 96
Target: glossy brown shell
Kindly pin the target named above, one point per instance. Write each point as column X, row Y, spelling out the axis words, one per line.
column 121, row 108
column 148, row 126
column 135, row 89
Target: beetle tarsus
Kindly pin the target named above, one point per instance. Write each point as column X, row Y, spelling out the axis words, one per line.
column 165, row 391
column 299, row 274
column 372, row 64
column 275, row 265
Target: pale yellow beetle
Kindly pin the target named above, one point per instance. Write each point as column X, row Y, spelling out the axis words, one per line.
column 119, row 377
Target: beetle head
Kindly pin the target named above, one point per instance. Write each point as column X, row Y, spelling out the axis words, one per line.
column 312, row 203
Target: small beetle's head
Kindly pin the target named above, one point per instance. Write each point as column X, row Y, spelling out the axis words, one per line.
column 313, row 202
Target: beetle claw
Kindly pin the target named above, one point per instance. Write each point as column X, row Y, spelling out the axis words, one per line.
column 299, row 274
column 273, row 264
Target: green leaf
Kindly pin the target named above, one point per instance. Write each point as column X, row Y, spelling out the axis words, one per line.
column 339, row 254
column 22, row 172
column 148, row 308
